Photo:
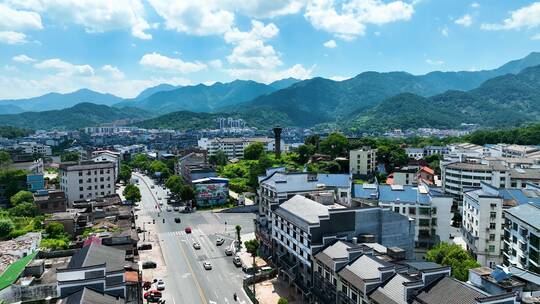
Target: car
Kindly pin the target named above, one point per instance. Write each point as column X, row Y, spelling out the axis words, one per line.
column 207, row 265
column 146, row 285
column 176, row 209
column 177, row 220
column 160, row 285
column 152, row 295
column 187, row 230
column 169, row 209
column 144, row 246
column 196, row 245
column 237, row 261
column 228, row 251
column 152, row 187
column 149, row 264
column 159, row 198
column 139, row 230
column 161, row 203
column 220, row 241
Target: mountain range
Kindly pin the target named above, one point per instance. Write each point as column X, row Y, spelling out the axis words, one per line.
column 371, row 100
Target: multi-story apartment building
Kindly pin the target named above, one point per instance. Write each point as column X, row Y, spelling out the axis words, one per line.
column 234, row 146
column 403, row 176
column 428, row 206
column 108, row 156
column 363, row 161
column 415, row 153
column 483, row 219
column 34, row 148
column 301, row 227
column 278, row 186
column 350, row 273
column 87, row 180
column 521, row 246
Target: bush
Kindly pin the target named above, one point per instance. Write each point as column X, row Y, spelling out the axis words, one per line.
column 6, row 226
column 21, row 197
column 55, row 244
column 55, row 230
column 24, row 210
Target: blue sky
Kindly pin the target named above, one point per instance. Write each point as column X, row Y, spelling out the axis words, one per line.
column 124, row 46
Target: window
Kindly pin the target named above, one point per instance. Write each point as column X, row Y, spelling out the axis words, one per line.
column 423, row 222
column 81, row 188
column 80, row 173
column 412, row 210
column 334, row 281
column 396, row 209
column 515, row 226
column 514, row 239
column 492, row 225
column 491, row 248
column 344, row 289
column 493, row 215
column 434, row 210
column 492, row 237
column 80, row 181
column 81, row 196
column 433, row 222
column 354, row 296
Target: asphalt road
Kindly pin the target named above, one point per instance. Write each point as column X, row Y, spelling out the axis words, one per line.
column 186, row 279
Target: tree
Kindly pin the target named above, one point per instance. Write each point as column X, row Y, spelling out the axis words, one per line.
column 161, row 167
column 26, row 209
column 187, row 193
column 175, row 184
column 20, row 197
column 254, row 151
column 218, row 159
column 454, row 256
column 55, row 230
column 238, row 228
column 304, row 153
column 6, row 226
column 5, row 159
column 329, row 167
column 282, row 301
column 13, row 180
column 259, row 168
column 125, row 173
column 391, row 155
column 313, row 140
column 140, row 161
column 335, row 145
column 252, row 246
column 69, row 157
column 132, row 193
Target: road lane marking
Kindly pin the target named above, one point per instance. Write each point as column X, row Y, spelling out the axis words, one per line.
column 201, row 293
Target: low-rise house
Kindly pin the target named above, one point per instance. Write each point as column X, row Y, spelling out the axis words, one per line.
column 194, row 166
column 50, row 201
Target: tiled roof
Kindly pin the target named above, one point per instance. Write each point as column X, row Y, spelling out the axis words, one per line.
column 97, row 254
column 449, row 291
column 529, row 213
column 392, row 292
column 300, row 207
column 90, row 296
column 296, row 182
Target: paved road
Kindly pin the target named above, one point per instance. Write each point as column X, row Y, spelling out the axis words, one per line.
column 186, row 280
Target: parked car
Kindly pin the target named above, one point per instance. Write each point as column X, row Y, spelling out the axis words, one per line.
column 177, row 220
column 220, row 241
column 160, row 285
column 169, row 209
column 152, row 293
column 187, row 230
column 144, row 246
column 146, row 285
column 207, row 265
column 152, row 186
column 149, row 264
column 196, row 245
column 228, row 251
column 237, row 261
column 176, row 209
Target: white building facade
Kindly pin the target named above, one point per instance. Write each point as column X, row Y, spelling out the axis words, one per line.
column 363, row 161
column 87, row 180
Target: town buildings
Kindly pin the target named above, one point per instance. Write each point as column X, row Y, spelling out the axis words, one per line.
column 521, row 246
column 87, row 179
column 234, row 146
column 50, row 201
column 194, row 166
column 363, row 161
column 428, row 206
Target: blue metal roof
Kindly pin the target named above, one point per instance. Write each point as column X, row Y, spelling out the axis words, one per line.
column 518, row 195
column 409, row 194
column 365, row 191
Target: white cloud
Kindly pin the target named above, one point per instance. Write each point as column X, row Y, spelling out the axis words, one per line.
column 434, row 62
column 158, row 61
column 216, row 64
column 348, row 20
column 330, row 44
column 525, row 17
column 267, row 9
column 475, row 5
column 339, row 78
column 113, row 71
column 23, row 58
column 536, row 37
column 18, row 20
column 466, row 20
column 65, row 68
column 444, row 31
column 194, row 17
column 95, row 16
column 10, row 37
column 296, row 71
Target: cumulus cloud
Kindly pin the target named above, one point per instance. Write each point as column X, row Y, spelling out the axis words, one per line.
column 339, row 78
column 216, row 64
column 330, row 44
column 296, row 71
column 10, row 37
column 348, row 20
column 22, row 58
column 475, row 5
column 18, row 20
column 113, row 71
column 434, row 62
column 161, row 62
column 526, row 17
column 95, row 16
column 65, row 68
column 465, row 21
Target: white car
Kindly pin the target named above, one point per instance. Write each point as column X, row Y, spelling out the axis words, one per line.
column 169, row 209
column 196, row 245
column 176, row 208
column 207, row 265
column 220, row 241
column 160, row 285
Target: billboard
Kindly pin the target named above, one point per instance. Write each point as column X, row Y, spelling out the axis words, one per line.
column 211, row 194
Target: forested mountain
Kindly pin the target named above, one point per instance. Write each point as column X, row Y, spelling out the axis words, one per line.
column 56, row 101
column 78, row 116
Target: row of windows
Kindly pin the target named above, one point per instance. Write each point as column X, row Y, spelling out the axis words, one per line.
column 89, row 195
column 101, row 179
column 89, row 172
column 95, row 187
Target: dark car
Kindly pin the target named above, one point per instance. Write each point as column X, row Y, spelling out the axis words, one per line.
column 149, row 264
column 177, row 220
column 144, row 246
